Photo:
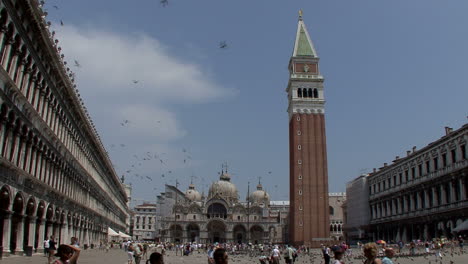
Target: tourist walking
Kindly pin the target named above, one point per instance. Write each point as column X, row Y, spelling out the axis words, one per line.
column 130, row 254
column 370, row 252
column 326, row 254
column 46, row 247
column 52, row 248
column 67, row 254
column 137, row 253
column 275, row 255
column 288, row 255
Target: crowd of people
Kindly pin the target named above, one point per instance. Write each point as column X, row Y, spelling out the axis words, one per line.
column 217, row 253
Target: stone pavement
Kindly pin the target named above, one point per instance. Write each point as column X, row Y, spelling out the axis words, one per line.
column 117, row 256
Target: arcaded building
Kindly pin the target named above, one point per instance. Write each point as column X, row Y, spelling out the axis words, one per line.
column 55, row 175
column 308, row 178
column 424, row 194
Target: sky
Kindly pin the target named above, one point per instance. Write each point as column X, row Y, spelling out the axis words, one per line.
column 170, row 104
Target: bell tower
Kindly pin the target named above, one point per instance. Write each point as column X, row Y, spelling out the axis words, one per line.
column 308, row 179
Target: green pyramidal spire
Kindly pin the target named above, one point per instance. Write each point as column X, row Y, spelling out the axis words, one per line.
column 303, row 45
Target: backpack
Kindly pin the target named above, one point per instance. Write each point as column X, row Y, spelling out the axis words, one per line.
column 46, row 244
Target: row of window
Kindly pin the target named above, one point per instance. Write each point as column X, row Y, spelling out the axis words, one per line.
column 143, row 218
column 443, row 194
column 143, row 227
column 307, row 93
column 419, row 170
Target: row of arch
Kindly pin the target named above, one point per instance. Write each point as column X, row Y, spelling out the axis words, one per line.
column 217, row 231
column 426, row 230
column 35, row 92
column 336, row 228
column 24, row 148
column 26, row 220
column 438, row 194
column 307, row 93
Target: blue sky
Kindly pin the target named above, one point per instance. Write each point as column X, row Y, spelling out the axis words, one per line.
column 395, row 75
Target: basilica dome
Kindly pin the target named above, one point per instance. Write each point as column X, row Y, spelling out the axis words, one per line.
column 224, row 188
column 192, row 194
column 260, row 196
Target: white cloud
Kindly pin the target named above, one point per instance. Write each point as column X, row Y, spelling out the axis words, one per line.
column 111, row 61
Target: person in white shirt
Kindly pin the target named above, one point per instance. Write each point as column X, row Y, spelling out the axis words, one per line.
column 46, row 247
column 275, row 255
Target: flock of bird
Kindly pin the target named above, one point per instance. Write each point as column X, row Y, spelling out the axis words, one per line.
column 133, row 172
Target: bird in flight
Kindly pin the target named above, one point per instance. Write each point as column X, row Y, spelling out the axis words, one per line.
column 223, row 44
column 56, row 7
column 135, row 81
column 61, row 22
column 77, row 64
column 164, row 3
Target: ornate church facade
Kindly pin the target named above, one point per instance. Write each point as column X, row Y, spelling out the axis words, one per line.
column 221, row 216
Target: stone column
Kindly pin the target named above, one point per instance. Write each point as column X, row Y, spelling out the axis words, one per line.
column 426, row 198
column 462, row 189
column 64, row 232
column 13, row 63
column 50, row 228
column 32, row 230
column 442, row 194
column 453, row 189
column 20, row 236
column 7, row 53
column 434, row 197
column 42, row 235
column 6, row 233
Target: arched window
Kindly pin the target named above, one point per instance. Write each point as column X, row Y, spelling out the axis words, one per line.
column 309, row 93
column 315, row 93
column 299, row 92
column 332, row 211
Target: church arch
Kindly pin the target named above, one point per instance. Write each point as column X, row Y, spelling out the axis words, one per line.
column 193, row 232
column 256, row 234
column 176, row 233
column 309, row 92
column 315, row 93
column 299, row 92
column 216, row 231
column 239, row 234
column 216, row 210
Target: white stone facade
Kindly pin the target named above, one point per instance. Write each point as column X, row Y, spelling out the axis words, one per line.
column 423, row 195
column 55, row 175
column 144, row 222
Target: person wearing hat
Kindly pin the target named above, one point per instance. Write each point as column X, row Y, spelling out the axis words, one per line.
column 67, row 254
